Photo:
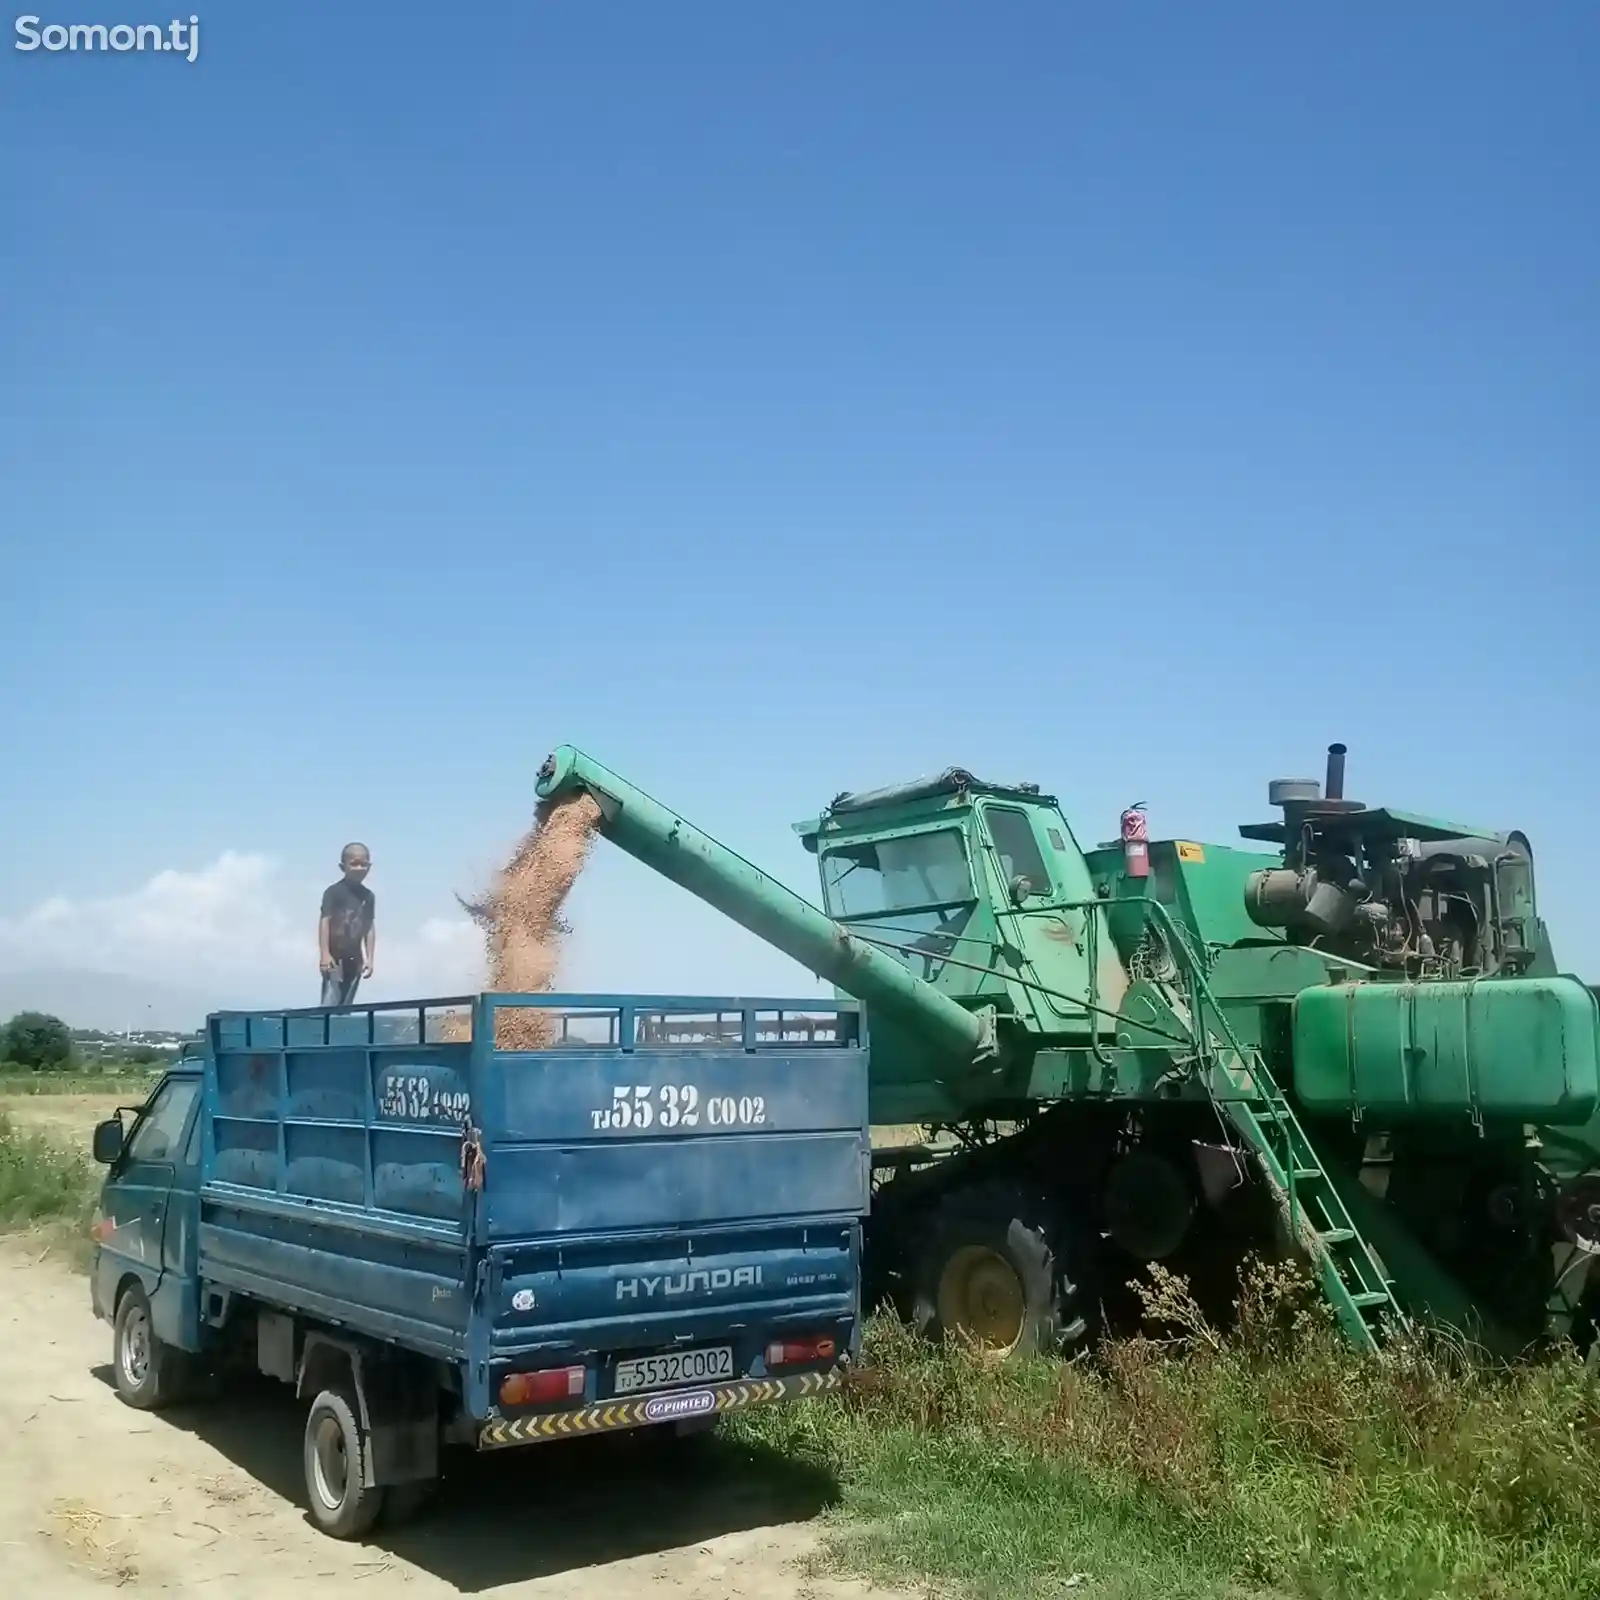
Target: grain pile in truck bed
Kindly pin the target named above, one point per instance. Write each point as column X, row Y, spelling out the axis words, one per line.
column 521, row 916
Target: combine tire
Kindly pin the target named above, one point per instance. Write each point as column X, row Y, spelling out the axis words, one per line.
column 1586, row 1324
column 996, row 1271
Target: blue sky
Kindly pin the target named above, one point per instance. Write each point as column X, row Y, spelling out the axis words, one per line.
column 775, row 400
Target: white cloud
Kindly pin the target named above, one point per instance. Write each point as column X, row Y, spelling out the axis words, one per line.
column 444, row 956
column 241, row 931
column 228, row 927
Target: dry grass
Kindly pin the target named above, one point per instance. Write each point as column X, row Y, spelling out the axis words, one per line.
column 895, row 1136
column 94, row 1540
column 130, row 1086
column 1273, row 1461
column 43, row 1180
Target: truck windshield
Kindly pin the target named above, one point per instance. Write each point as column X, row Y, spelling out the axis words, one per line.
column 920, row 871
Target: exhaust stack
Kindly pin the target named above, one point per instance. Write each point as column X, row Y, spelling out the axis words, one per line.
column 1333, row 789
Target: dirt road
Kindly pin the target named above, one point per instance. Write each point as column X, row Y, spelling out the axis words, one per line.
column 94, row 1495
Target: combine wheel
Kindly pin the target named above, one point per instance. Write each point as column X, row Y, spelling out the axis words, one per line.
column 1586, row 1323
column 994, row 1272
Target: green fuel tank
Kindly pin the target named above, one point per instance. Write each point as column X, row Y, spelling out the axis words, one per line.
column 675, row 848
column 1498, row 1049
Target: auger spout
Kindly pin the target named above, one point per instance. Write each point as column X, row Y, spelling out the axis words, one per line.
column 675, row 848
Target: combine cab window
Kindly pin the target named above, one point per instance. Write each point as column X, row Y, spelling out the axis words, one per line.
column 926, row 869
column 1016, row 846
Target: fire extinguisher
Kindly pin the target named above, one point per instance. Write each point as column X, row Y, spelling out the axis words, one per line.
column 1136, row 842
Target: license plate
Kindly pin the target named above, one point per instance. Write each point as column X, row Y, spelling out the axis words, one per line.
column 674, row 1368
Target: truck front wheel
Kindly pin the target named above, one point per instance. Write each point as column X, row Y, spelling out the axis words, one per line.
column 335, row 1455
column 149, row 1372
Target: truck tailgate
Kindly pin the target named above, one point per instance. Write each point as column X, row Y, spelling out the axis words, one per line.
column 669, row 1184
column 586, row 1144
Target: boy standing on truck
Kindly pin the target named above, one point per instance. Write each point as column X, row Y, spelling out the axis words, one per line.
column 347, row 936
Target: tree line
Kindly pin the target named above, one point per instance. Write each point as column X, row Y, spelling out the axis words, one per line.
column 35, row 1041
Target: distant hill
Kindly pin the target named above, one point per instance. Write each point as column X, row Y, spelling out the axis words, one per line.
column 111, row 1001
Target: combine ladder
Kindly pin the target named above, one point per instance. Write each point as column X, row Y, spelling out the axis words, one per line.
column 1353, row 1279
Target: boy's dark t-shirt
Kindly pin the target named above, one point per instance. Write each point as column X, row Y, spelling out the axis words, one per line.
column 349, row 908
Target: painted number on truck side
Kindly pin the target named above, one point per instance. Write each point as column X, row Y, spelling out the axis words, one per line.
column 415, row 1099
column 676, row 1105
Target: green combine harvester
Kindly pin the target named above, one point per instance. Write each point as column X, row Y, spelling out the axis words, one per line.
column 1355, row 1044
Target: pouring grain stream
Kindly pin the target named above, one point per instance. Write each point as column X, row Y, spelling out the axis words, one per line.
column 520, row 916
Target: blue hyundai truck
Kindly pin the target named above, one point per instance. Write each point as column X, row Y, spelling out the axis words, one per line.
column 490, row 1221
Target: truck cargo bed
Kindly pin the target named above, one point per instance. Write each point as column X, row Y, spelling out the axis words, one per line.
column 660, row 1175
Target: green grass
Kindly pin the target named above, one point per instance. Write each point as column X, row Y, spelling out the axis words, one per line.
column 1272, row 1463
column 45, row 1184
column 132, row 1083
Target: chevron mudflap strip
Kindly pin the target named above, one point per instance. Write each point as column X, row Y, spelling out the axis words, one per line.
column 672, row 1405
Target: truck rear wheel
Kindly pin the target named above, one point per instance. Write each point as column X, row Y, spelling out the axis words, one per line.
column 335, row 1454
column 150, row 1374
column 993, row 1272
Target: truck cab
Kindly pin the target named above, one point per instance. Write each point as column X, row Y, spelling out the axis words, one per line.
column 145, row 1229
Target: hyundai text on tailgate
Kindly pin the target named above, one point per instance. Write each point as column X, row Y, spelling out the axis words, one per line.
column 493, row 1221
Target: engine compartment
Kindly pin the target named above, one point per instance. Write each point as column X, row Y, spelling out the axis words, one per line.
column 1402, row 893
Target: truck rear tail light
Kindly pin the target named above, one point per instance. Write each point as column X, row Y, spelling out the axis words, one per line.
column 791, row 1352
column 542, row 1388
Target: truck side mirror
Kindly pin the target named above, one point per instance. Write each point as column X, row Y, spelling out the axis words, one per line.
column 108, row 1141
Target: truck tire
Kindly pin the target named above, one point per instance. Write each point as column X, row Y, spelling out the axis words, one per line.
column 335, row 1447
column 995, row 1270
column 149, row 1372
